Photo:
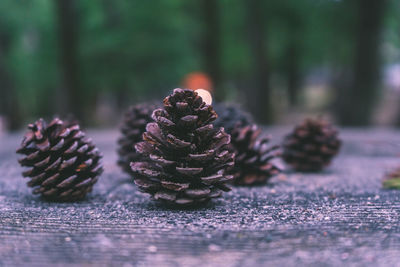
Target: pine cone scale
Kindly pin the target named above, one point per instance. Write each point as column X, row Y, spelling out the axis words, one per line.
column 188, row 171
column 198, row 192
column 50, row 180
column 175, row 186
column 165, row 195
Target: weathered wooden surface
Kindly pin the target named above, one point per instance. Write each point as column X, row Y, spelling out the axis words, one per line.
column 338, row 217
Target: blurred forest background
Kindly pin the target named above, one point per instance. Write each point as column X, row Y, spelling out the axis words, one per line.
column 281, row 59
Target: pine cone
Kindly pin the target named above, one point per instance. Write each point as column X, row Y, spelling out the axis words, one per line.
column 230, row 116
column 187, row 156
column 252, row 156
column 311, row 146
column 63, row 165
column 132, row 129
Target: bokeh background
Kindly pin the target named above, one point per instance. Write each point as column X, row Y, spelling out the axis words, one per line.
column 283, row 60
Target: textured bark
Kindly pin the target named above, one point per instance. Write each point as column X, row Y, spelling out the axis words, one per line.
column 259, row 101
column 357, row 98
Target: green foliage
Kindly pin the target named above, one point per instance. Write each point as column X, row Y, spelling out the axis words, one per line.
column 393, row 183
column 132, row 49
column 134, row 45
column 30, row 58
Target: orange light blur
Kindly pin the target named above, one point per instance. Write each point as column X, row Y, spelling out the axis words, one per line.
column 197, row 80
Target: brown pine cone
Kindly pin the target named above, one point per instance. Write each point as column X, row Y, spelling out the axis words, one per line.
column 63, row 165
column 132, row 129
column 311, row 146
column 253, row 156
column 187, row 157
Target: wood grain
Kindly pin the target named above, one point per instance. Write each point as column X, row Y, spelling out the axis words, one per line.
column 338, row 217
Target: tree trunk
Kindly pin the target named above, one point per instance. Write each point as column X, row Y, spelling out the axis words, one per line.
column 70, row 98
column 293, row 61
column 122, row 93
column 357, row 105
column 293, row 76
column 259, row 101
column 9, row 105
column 211, row 45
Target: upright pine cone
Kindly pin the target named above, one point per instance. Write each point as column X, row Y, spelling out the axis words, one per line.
column 132, row 129
column 63, row 165
column 229, row 116
column 311, row 146
column 186, row 156
column 253, row 156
